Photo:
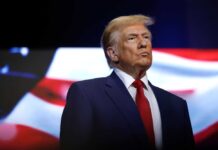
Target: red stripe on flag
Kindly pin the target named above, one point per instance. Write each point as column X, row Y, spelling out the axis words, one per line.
column 52, row 90
column 197, row 54
column 20, row 137
column 207, row 133
column 208, row 138
column 182, row 92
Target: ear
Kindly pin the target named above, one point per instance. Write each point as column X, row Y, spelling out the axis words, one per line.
column 112, row 53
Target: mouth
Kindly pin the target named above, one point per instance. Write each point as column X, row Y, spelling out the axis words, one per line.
column 144, row 54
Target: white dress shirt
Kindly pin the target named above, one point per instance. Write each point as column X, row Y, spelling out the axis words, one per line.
column 128, row 80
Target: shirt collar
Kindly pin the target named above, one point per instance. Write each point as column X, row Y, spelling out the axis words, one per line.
column 127, row 79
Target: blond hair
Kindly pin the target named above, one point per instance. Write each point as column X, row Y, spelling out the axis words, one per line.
column 113, row 28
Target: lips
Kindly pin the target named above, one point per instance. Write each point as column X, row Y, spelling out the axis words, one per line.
column 144, row 53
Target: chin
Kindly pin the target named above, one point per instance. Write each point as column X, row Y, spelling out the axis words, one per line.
column 145, row 66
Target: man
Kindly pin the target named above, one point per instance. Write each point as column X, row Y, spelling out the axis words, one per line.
column 105, row 113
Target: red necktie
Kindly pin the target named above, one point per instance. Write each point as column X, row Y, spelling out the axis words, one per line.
column 144, row 110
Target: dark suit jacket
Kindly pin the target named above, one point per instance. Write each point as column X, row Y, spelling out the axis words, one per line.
column 100, row 114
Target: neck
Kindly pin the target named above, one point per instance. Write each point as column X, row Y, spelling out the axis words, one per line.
column 135, row 73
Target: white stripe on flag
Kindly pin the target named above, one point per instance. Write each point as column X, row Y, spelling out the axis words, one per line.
column 35, row 113
column 78, row 64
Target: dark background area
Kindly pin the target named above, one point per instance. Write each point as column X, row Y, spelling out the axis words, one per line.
column 79, row 23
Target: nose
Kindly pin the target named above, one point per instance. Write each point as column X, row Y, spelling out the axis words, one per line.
column 142, row 42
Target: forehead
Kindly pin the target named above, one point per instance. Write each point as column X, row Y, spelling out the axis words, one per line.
column 135, row 29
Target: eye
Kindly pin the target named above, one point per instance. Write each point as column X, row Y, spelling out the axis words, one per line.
column 147, row 37
column 131, row 38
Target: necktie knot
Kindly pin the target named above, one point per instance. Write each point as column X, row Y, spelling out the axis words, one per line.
column 138, row 83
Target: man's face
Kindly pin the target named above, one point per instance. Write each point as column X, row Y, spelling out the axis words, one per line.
column 134, row 50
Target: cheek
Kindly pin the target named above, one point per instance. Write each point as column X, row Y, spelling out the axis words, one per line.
column 127, row 57
column 130, row 49
column 130, row 55
column 128, row 52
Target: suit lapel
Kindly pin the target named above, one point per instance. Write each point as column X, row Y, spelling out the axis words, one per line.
column 125, row 104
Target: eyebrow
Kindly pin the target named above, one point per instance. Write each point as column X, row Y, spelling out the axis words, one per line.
column 135, row 34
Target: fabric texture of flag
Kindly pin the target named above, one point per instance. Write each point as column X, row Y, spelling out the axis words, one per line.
column 34, row 122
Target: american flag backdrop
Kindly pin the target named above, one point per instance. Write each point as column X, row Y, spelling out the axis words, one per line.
column 33, row 120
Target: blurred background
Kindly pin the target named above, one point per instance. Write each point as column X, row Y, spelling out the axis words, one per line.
column 46, row 46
